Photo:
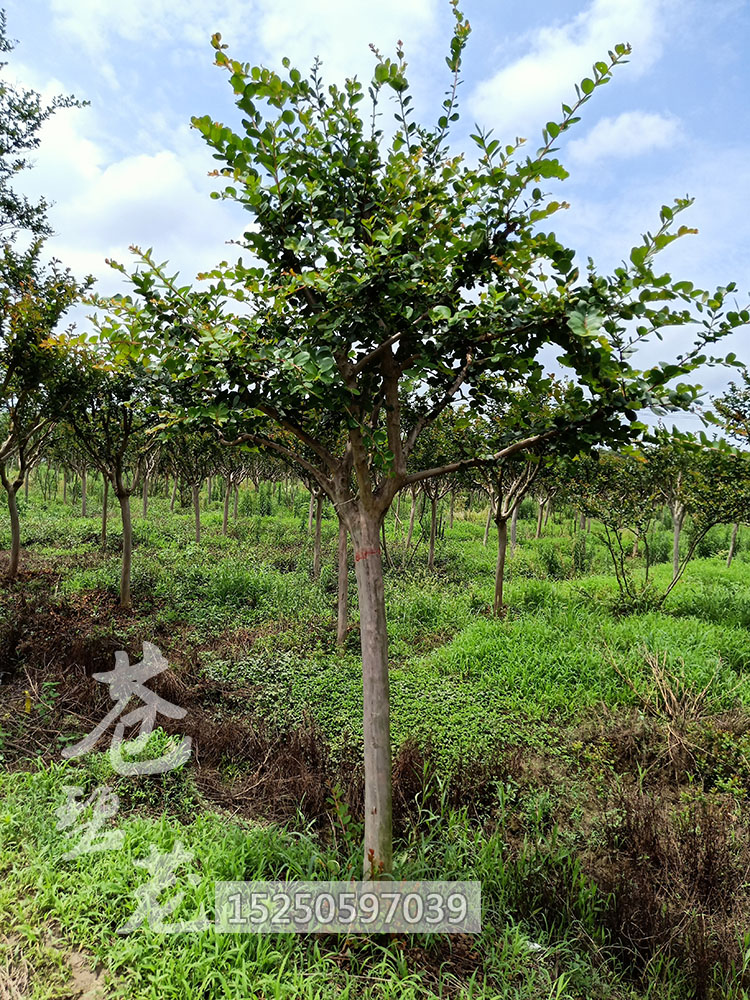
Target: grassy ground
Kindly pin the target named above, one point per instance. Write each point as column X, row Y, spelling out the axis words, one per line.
column 589, row 766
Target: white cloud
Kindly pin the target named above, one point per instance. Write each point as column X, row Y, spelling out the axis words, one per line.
column 630, row 134
column 338, row 29
column 523, row 95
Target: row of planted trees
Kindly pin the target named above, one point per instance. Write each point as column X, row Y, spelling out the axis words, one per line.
column 385, row 331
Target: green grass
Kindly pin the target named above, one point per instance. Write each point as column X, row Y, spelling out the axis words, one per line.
column 463, row 684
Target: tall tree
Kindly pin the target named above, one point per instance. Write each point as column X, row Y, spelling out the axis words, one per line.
column 33, row 298
column 386, row 267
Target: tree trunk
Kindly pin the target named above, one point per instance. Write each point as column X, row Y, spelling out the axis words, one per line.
column 173, row 497
column 227, row 493
column 433, row 528
column 197, row 509
column 581, row 521
column 487, row 524
column 502, row 548
column 412, row 512
column 318, row 527
column 539, row 517
column 11, row 488
column 547, row 512
column 145, row 497
column 104, row 514
column 733, row 543
column 84, row 487
column 127, row 549
column 368, row 568
column 343, row 581
column 452, row 508
column 678, row 516
column 311, row 514
column 65, row 485
column 514, row 529
column 236, row 499
column 210, row 490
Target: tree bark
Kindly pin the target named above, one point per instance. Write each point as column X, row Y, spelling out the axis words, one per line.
column 104, row 514
column 318, row 527
column 540, row 515
column 412, row 512
column 127, row 548
column 227, row 493
column 487, row 524
column 174, row 496
column 11, row 488
column 433, row 530
column 514, row 529
column 311, row 514
column 145, row 497
column 502, row 548
column 343, row 588
column 197, row 509
column 84, row 486
column 678, row 517
column 733, row 543
column 368, row 568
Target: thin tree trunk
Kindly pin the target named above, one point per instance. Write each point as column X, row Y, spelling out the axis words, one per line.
column 173, row 497
column 84, row 490
column 210, row 490
column 145, row 497
column 733, row 543
column 311, row 514
column 514, row 529
column 197, row 509
column 318, row 527
column 487, row 524
column 368, row 568
column 433, row 528
column 547, row 512
column 412, row 512
column 502, row 548
column 539, row 517
column 104, row 514
column 15, row 525
column 452, row 507
column 127, row 549
column 236, row 499
column 343, row 588
column 227, row 493
column 65, row 485
column 678, row 516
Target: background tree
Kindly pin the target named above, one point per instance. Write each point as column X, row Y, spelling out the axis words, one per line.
column 114, row 414
column 33, row 298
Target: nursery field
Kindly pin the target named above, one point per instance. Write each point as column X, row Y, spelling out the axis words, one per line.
column 585, row 758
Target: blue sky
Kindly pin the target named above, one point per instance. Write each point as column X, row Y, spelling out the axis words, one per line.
column 129, row 169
